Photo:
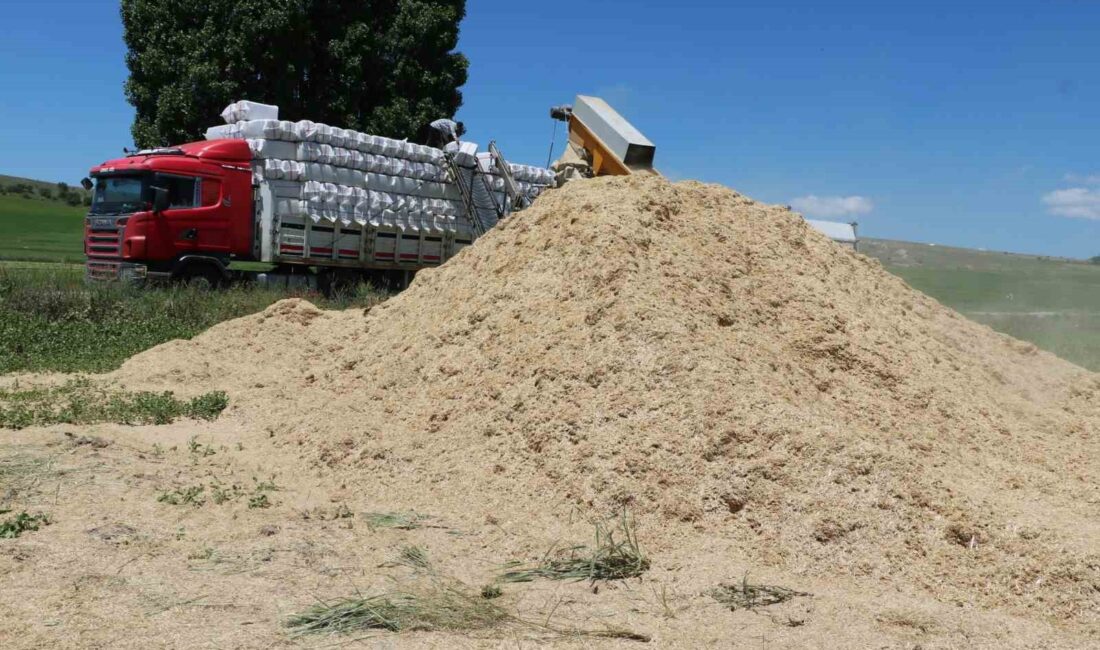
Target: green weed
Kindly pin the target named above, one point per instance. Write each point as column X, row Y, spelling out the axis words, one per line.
column 207, row 406
column 21, row 523
column 189, row 496
column 218, row 493
column 80, row 401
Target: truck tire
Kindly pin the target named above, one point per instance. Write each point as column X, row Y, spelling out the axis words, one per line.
column 202, row 277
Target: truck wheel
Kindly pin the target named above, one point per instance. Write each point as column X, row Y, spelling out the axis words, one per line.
column 202, row 277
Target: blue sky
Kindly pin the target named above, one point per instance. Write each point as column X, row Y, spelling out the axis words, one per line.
column 965, row 123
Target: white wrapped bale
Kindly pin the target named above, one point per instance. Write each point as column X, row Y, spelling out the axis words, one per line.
column 303, row 130
column 280, row 149
column 308, row 152
column 289, row 170
column 361, row 212
column 245, row 110
column 224, row 131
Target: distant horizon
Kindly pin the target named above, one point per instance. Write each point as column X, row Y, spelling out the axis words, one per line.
column 991, row 251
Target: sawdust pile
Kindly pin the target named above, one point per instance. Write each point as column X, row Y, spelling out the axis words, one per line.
column 718, row 367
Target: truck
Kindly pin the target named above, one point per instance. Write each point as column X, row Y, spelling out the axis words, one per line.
column 294, row 204
column 307, row 204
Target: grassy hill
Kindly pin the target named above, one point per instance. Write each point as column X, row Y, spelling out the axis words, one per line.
column 37, row 229
column 36, row 184
column 1052, row 302
column 36, row 223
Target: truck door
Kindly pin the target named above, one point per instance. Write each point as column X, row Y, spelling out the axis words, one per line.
column 194, row 220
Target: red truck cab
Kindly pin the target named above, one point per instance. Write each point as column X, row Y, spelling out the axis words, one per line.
column 172, row 213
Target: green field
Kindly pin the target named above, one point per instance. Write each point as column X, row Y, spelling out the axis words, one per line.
column 1052, row 302
column 36, row 229
column 50, row 321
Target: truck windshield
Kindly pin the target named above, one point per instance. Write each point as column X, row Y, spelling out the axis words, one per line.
column 118, row 194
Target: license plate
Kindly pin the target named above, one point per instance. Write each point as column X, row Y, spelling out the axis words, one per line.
column 103, row 223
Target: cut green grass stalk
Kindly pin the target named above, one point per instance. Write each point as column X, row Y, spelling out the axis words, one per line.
column 446, row 606
column 750, row 596
column 415, row 557
column 442, row 609
column 399, row 520
column 615, row 556
column 20, row 472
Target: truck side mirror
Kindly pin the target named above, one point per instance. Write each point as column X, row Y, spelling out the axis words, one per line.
column 160, row 199
column 86, row 183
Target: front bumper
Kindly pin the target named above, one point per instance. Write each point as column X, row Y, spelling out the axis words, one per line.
column 101, row 270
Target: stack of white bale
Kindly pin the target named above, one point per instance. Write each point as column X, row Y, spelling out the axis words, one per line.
column 346, row 176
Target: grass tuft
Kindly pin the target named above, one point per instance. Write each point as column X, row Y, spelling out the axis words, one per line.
column 750, row 596
column 15, row 526
column 615, row 556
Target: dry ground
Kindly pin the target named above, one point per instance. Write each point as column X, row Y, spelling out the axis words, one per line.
column 118, row 569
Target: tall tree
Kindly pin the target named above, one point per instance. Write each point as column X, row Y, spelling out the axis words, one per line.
column 381, row 66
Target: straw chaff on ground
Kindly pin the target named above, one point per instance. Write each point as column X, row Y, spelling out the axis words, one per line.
column 608, row 559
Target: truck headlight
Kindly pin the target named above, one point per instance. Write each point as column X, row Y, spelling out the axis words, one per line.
column 133, row 272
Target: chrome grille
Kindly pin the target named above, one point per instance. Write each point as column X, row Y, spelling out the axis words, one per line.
column 104, row 248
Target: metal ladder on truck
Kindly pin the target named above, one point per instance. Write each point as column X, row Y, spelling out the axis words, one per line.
column 518, row 200
column 464, row 189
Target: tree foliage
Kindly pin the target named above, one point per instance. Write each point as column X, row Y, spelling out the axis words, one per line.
column 381, row 66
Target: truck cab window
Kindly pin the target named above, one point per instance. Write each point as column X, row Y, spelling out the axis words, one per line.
column 183, row 191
